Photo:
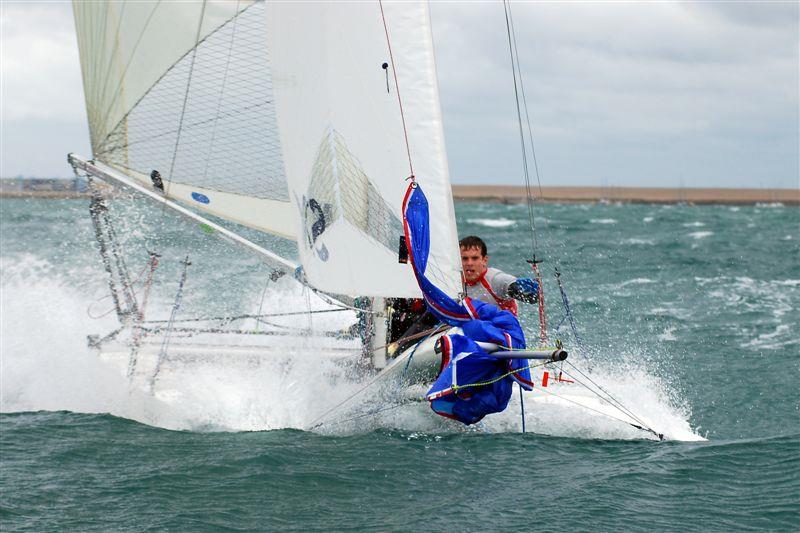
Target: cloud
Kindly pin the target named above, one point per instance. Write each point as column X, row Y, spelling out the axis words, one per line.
column 608, row 83
column 42, row 113
column 627, row 93
column 40, row 64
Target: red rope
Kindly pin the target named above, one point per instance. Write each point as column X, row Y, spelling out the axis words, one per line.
column 542, row 314
column 397, row 89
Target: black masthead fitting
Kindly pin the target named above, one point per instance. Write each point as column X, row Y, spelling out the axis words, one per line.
column 534, row 261
column 155, row 177
column 402, row 252
column 385, row 67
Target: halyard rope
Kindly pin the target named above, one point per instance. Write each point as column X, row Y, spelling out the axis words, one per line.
column 397, row 88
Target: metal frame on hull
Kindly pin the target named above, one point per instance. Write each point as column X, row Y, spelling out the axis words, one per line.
column 375, row 353
column 104, row 172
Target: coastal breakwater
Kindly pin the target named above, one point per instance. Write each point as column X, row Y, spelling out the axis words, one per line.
column 646, row 195
column 510, row 194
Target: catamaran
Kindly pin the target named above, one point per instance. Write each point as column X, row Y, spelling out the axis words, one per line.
column 307, row 121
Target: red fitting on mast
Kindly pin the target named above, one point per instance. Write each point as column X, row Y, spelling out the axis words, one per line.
column 542, row 315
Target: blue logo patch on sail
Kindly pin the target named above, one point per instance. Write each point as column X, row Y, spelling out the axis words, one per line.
column 202, row 198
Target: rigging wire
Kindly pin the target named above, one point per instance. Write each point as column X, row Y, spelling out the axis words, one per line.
column 139, row 277
column 261, row 303
column 370, row 412
column 608, row 397
column 221, row 91
column 397, row 89
column 649, row 430
column 246, row 316
column 568, row 313
column 319, row 420
column 175, row 306
column 525, row 102
column 526, row 172
column 519, row 89
column 185, row 100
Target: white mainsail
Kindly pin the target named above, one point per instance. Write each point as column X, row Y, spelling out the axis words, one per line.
column 277, row 116
column 343, row 140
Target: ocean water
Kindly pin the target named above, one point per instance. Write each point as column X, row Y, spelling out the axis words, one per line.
column 688, row 314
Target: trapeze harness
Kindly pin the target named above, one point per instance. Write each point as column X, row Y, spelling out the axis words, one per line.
column 481, row 289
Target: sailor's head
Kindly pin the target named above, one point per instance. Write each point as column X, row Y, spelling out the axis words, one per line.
column 474, row 259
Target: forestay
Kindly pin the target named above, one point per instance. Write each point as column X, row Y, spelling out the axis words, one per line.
column 344, row 146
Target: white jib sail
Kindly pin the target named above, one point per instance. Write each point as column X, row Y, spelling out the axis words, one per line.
column 184, row 88
column 343, row 141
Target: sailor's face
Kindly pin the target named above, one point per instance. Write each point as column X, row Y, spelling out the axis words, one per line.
column 473, row 263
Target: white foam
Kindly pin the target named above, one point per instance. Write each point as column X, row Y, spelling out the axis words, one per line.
column 48, row 366
column 603, row 221
column 648, row 219
column 774, row 340
column 642, row 394
column 671, row 311
column 772, row 296
column 636, row 281
column 668, row 334
column 696, row 224
column 46, row 363
column 492, row 222
column 701, row 234
column 647, row 242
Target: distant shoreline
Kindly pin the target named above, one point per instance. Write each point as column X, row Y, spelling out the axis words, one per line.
column 511, row 194
column 506, row 194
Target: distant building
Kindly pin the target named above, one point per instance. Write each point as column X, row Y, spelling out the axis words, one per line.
column 21, row 186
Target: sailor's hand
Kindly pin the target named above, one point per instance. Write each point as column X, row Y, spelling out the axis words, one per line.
column 524, row 289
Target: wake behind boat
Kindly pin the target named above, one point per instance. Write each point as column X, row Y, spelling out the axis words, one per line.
column 306, row 122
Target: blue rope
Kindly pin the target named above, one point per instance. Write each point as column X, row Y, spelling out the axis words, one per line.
column 561, row 323
column 568, row 312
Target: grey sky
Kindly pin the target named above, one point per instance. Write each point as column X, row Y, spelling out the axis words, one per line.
column 620, row 93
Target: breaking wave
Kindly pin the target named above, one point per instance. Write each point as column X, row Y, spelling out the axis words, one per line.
column 47, row 365
column 492, row 222
column 639, row 241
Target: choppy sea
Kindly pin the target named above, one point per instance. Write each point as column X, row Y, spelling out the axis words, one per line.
column 688, row 314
